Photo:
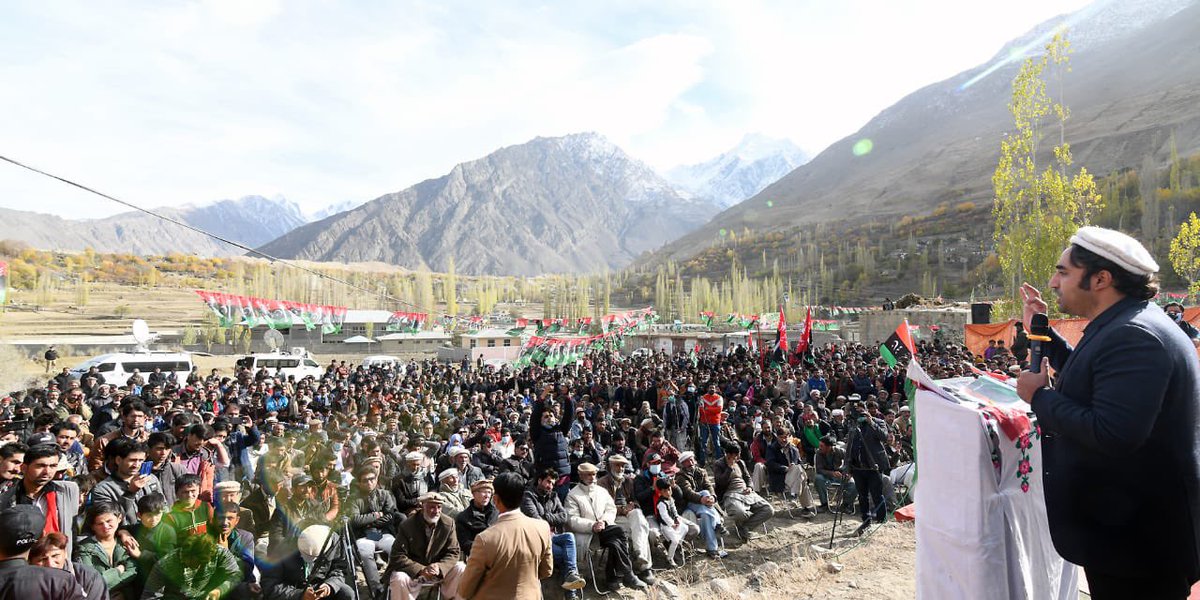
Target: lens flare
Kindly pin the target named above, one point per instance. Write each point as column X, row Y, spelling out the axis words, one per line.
column 723, row 233
column 863, row 147
column 770, row 203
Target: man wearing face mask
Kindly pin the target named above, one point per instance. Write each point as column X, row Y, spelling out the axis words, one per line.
column 550, row 445
column 1175, row 311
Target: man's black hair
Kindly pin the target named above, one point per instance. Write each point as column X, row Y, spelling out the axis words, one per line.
column 151, row 503
column 42, row 451
column 123, row 447
column 8, row 450
column 509, row 488
column 137, row 405
column 61, row 426
column 550, row 472
column 185, row 480
column 161, row 437
column 1140, row 287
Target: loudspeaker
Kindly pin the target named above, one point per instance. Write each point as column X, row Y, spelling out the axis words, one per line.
column 981, row 313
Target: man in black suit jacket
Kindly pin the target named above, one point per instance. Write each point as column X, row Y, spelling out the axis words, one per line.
column 1121, row 425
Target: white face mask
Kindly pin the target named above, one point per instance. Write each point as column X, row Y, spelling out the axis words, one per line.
column 655, row 469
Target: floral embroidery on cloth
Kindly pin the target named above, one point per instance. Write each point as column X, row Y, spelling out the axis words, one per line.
column 1024, row 443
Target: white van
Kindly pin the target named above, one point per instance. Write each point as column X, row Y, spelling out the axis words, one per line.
column 298, row 365
column 118, row 368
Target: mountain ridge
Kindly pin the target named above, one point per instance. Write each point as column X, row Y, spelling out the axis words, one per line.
column 1128, row 93
column 250, row 220
column 553, row 204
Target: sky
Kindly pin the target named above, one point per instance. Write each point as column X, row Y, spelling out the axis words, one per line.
column 322, row 102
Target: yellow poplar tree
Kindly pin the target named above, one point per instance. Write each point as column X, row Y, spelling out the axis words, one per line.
column 1185, row 253
column 1037, row 209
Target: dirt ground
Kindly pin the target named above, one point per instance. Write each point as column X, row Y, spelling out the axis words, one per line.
column 784, row 564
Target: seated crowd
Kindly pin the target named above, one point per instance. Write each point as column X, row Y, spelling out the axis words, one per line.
column 254, row 485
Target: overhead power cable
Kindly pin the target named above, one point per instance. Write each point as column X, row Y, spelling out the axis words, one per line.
column 214, row 236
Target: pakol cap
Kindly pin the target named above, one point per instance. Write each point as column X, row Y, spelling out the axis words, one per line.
column 1122, row 249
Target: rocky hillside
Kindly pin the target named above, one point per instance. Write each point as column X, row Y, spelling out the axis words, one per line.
column 1134, row 81
column 565, row 204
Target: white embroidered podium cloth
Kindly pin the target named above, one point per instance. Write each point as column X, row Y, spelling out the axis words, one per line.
column 980, row 511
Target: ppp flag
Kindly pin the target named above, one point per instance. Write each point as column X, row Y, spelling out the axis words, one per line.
column 805, row 342
column 779, row 354
column 898, row 348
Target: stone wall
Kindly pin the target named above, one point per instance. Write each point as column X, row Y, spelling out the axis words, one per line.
column 876, row 326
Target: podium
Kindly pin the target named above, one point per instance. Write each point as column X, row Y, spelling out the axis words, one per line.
column 980, row 509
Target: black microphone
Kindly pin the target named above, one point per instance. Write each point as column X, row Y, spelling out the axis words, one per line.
column 1039, row 332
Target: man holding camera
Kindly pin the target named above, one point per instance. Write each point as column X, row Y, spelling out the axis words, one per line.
column 866, row 449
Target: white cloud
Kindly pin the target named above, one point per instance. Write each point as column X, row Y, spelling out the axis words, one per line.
column 323, row 101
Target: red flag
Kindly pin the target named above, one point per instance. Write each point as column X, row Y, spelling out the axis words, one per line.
column 805, row 340
column 782, row 341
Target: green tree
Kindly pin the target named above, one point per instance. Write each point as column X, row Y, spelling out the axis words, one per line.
column 1185, row 253
column 1037, row 209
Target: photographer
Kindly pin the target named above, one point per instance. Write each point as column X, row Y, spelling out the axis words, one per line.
column 866, row 448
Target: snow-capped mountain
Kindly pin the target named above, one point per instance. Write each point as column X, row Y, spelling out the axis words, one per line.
column 561, row 204
column 333, row 209
column 756, row 162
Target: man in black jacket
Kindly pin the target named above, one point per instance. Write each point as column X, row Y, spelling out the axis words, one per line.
column 373, row 517
column 411, row 484
column 316, row 569
column 549, row 434
column 520, row 462
column 866, row 452
column 477, row 516
column 1126, row 400
column 540, row 502
column 22, row 526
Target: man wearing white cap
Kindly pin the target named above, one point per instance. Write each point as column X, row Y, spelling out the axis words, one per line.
column 455, row 495
column 426, row 553
column 1126, row 399
column 317, row 569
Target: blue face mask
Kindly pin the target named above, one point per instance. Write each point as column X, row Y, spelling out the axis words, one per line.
column 1177, row 317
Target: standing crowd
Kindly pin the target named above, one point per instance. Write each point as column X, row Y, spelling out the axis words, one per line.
column 477, row 482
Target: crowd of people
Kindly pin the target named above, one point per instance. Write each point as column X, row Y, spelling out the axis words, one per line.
column 254, row 485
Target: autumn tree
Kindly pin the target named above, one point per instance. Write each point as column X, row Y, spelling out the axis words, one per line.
column 1185, row 253
column 1038, row 208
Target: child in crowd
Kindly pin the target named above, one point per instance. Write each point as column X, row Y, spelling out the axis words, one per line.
column 189, row 514
column 102, row 552
column 672, row 526
column 154, row 537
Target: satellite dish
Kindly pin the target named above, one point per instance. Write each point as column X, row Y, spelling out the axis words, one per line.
column 141, row 334
column 274, row 339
